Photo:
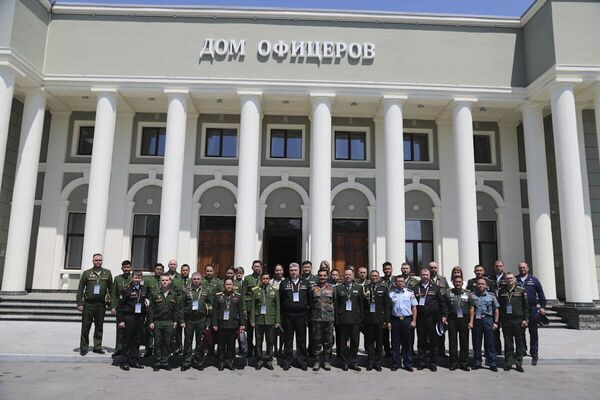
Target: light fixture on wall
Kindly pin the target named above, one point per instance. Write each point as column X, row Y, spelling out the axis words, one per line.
column 219, row 101
column 151, row 99
column 482, row 109
column 353, row 104
column 286, row 102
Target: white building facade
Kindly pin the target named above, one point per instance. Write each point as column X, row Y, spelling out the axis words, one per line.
column 224, row 136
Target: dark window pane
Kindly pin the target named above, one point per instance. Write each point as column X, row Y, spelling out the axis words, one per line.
column 229, row 148
column 86, row 140
column 341, row 146
column 486, row 231
column 144, row 247
column 421, row 147
column 213, row 142
column 358, row 147
column 408, row 156
column 162, row 137
column 294, row 144
column 217, row 223
column 482, row 149
column 410, row 256
column 74, row 252
column 350, row 225
column 488, row 253
column 419, row 230
column 424, row 253
column 148, row 141
column 76, row 224
column 277, row 143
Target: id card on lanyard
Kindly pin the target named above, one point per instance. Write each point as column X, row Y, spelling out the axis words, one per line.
column 263, row 310
column 195, row 305
column 372, row 307
column 348, row 305
column 423, row 297
column 296, row 294
column 138, row 308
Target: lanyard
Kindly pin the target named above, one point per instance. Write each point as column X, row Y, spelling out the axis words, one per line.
column 510, row 294
column 426, row 291
column 264, row 295
column 294, row 287
column 139, row 293
column 227, row 301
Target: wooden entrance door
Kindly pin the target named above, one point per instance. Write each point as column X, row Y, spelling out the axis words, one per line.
column 350, row 243
column 216, row 243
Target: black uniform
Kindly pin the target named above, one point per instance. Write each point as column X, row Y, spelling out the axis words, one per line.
column 294, row 311
column 376, row 314
column 228, row 316
column 131, row 309
column 349, row 306
column 431, row 306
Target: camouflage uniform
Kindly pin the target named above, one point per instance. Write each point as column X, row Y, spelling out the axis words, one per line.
column 322, row 306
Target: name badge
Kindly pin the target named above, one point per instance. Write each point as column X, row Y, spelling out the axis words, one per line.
column 372, row 307
column 296, row 297
column 509, row 308
column 348, row 305
column 459, row 313
column 96, row 289
column 195, row 305
column 263, row 310
column 478, row 313
column 421, row 301
column 226, row 315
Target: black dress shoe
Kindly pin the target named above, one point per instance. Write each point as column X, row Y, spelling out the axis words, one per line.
column 433, row 368
column 378, row 368
column 155, row 369
column 303, row 367
column 258, row 367
column 354, row 367
column 98, row 351
column 465, row 368
column 345, row 367
column 83, row 352
column 230, row 367
column 409, row 369
column 124, row 367
column 494, row 369
column 506, row 368
column 534, row 359
column 167, row 368
column 452, row 368
column 369, row 367
column 184, row 368
column 137, row 366
column 285, row 367
column 221, row 367
column 269, row 367
column 199, row 367
column 476, row 367
column 519, row 368
column 394, row 368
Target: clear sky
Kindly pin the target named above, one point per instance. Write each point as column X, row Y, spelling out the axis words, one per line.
column 509, row 8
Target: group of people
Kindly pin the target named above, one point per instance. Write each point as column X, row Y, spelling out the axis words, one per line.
column 159, row 310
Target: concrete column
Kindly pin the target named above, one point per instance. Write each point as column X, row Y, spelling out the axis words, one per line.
column 23, row 199
column 597, row 119
column 542, row 248
column 187, row 224
column 380, row 191
column 246, row 235
column 372, row 242
column 320, row 178
column 464, row 162
column 394, row 179
column 589, row 227
column 7, row 88
column 100, row 168
column 170, row 201
column 47, row 275
column 570, row 195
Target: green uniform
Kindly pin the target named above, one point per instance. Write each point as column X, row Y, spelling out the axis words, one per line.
column 265, row 313
column 152, row 283
column 118, row 285
column 94, row 286
column 389, row 282
column 349, row 305
column 164, row 312
column 227, row 316
column 196, row 307
column 376, row 314
column 514, row 309
column 249, row 282
column 441, row 282
column 213, row 285
column 312, row 279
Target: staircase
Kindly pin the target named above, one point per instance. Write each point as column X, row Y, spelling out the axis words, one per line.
column 43, row 306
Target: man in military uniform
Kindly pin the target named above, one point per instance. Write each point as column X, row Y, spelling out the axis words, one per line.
column 307, row 273
column 265, row 318
column 172, row 271
column 442, row 283
column 293, row 293
column 229, row 273
column 163, row 317
column 410, row 278
column 479, row 271
column 321, row 301
column 227, row 319
column 152, row 283
column 499, row 279
column 514, row 314
column 376, row 319
column 388, row 280
column 183, row 280
column 403, row 321
column 349, row 306
column 195, row 303
column 239, row 276
column 535, row 297
column 484, row 318
column 119, row 283
column 131, row 315
column 362, row 277
column 179, row 283
column 430, row 308
column 459, row 305
column 94, row 286
column 250, row 282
